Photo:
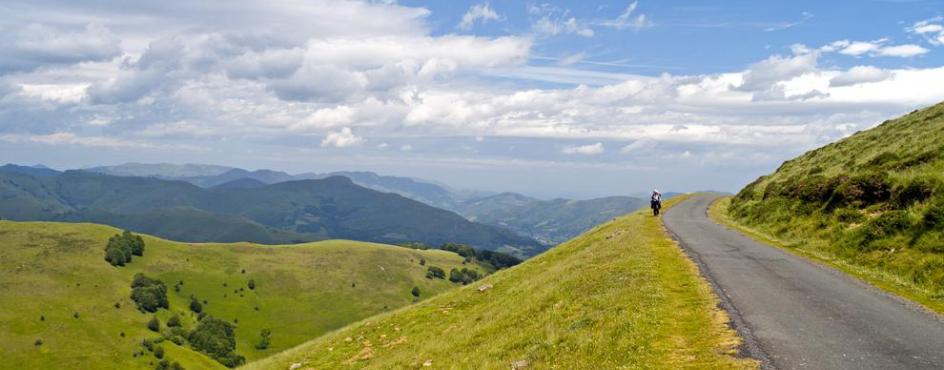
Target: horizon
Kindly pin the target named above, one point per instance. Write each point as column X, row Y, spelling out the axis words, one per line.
column 544, row 99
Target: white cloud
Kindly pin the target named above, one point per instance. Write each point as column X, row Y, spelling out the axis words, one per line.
column 627, row 20
column 553, row 21
column 875, row 48
column 341, row 139
column 859, row 74
column 589, row 149
column 34, row 45
column 931, row 30
column 406, row 148
column 67, row 138
column 478, row 12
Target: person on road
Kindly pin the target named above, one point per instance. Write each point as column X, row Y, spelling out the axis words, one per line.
column 655, row 202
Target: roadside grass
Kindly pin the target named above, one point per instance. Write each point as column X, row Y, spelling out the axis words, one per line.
column 819, row 250
column 49, row 272
column 622, row 295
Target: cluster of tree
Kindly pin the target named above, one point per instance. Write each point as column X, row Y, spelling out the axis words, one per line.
column 497, row 260
column 435, row 272
column 149, row 294
column 167, row 365
column 122, row 246
column 216, row 338
column 464, row 276
column 265, row 337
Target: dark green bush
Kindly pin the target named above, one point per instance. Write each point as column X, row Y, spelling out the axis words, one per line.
column 435, row 272
column 154, row 324
column 173, row 321
column 917, row 190
column 216, row 338
column 195, row 305
column 264, row 339
column 122, row 246
column 159, row 352
column 149, row 294
column 464, row 276
column 415, row 292
column 251, row 284
column 865, row 190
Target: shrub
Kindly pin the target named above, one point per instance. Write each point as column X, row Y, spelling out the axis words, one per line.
column 264, row 339
column 435, row 272
column 38, row 342
column 154, row 324
column 216, row 338
column 847, row 215
column 122, row 246
column 251, row 284
column 195, row 305
column 933, row 217
column 416, row 291
column 167, row 365
column 422, row 262
column 173, row 321
column 464, row 276
column 917, row 190
column 159, row 352
column 149, row 294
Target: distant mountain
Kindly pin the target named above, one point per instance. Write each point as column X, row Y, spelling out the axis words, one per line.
column 549, row 221
column 241, row 183
column 160, row 170
column 301, row 210
column 37, row 170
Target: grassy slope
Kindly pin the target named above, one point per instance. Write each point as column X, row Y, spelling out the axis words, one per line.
column 621, row 295
column 57, row 269
column 870, row 204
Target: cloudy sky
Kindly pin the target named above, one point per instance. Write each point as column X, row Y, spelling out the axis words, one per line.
column 550, row 99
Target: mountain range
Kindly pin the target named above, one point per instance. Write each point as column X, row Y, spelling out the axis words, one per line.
column 284, row 212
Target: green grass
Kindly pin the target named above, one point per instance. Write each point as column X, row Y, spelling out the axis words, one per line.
column 622, row 295
column 871, row 204
column 302, row 291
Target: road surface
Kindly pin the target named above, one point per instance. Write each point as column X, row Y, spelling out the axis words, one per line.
column 796, row 314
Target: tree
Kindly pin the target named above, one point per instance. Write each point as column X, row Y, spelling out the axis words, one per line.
column 159, row 352
column 216, row 338
column 264, row 339
column 173, row 321
column 149, row 294
column 122, row 246
column 422, row 262
column 435, row 272
column 154, row 325
column 416, row 291
column 252, row 284
column 195, row 305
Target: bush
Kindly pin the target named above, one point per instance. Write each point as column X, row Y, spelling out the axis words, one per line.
column 216, row 338
column 264, row 339
column 464, row 276
column 917, row 190
column 415, row 292
column 154, row 324
column 422, row 262
column 173, row 321
column 864, row 190
column 122, row 246
column 251, row 284
column 149, row 294
column 38, row 342
column 435, row 272
column 159, row 352
column 167, row 365
column 933, row 217
column 195, row 305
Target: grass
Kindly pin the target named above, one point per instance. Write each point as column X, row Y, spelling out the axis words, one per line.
column 622, row 295
column 55, row 270
column 871, row 204
column 880, row 278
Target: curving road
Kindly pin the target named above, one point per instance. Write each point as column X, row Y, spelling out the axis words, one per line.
column 795, row 314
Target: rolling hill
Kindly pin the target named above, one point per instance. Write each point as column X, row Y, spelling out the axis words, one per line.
column 66, row 307
column 873, row 201
column 284, row 212
column 549, row 221
column 623, row 295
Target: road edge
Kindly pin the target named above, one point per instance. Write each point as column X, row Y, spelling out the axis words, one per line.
column 749, row 347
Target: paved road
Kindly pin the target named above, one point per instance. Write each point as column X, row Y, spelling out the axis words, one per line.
column 795, row 314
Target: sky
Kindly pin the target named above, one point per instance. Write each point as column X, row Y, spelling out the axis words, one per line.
column 550, row 99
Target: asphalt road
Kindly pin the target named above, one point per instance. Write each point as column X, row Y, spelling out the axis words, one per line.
column 796, row 314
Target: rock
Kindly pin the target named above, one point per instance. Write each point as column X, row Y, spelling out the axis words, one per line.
column 520, row 364
column 295, row 366
column 428, row 363
column 485, row 287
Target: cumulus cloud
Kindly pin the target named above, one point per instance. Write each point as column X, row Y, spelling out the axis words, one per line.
column 931, row 30
column 341, row 139
column 478, row 12
column 859, row 75
column 589, row 149
column 36, row 45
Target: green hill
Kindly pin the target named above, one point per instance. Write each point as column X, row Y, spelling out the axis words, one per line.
column 549, row 221
column 293, row 211
column 57, row 288
column 623, row 295
column 874, row 202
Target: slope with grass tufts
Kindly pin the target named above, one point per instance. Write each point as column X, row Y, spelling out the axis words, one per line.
column 871, row 204
column 621, row 295
column 64, row 306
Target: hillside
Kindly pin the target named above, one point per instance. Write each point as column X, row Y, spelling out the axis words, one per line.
column 57, row 288
column 873, row 201
column 285, row 212
column 549, row 221
column 620, row 296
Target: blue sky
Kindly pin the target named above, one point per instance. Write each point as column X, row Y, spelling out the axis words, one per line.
column 575, row 99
